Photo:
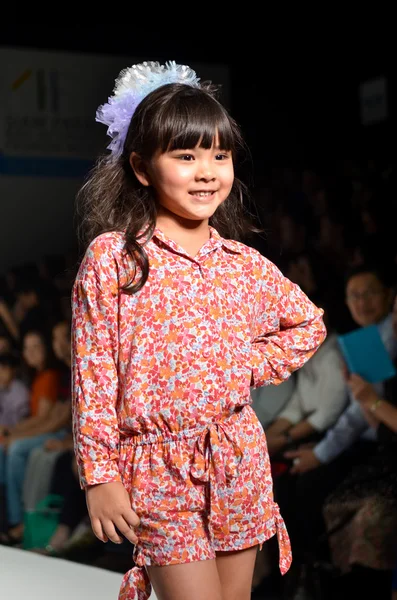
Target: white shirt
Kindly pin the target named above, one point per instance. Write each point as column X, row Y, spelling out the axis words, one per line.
column 321, row 393
column 352, row 423
column 268, row 400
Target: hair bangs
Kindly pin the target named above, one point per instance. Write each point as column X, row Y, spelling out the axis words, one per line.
column 195, row 120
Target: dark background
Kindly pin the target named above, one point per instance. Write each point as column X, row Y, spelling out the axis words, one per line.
column 294, row 93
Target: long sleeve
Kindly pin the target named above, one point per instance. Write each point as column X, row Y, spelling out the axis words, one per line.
column 288, row 329
column 95, row 357
column 349, row 427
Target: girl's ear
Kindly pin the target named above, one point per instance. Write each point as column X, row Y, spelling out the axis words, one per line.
column 139, row 167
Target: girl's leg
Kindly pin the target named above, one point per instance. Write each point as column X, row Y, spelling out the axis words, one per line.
column 195, row 581
column 236, row 570
column 263, row 566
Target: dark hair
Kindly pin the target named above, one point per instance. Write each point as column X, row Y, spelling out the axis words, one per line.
column 9, row 360
column 383, row 274
column 28, row 285
column 66, row 322
column 50, row 360
column 5, row 335
column 175, row 116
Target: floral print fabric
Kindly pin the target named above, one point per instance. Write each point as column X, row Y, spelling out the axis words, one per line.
column 161, row 391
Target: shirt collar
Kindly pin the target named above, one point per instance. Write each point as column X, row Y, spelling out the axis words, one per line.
column 214, row 241
column 229, row 244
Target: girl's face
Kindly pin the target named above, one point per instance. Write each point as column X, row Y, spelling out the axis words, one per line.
column 190, row 183
column 34, row 351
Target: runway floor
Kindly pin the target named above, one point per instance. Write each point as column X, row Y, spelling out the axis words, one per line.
column 26, row 575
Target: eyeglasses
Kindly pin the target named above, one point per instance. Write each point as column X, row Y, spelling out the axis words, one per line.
column 367, row 295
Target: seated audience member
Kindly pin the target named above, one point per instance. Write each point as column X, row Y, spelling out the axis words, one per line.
column 5, row 344
column 32, row 310
column 48, row 418
column 269, row 400
column 8, row 327
column 316, row 471
column 317, row 401
column 42, row 459
column 362, row 510
column 14, row 394
column 65, row 483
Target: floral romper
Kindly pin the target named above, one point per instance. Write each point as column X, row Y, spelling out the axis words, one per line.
column 161, row 392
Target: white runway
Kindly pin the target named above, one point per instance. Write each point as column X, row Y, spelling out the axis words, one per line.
column 25, row 575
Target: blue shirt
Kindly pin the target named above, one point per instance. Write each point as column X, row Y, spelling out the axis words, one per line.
column 352, row 424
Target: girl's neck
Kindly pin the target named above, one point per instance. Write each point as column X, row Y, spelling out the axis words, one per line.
column 172, row 224
column 191, row 235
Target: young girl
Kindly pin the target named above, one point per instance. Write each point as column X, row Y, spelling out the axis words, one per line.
column 173, row 322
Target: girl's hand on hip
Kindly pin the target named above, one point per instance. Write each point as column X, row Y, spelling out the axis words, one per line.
column 109, row 506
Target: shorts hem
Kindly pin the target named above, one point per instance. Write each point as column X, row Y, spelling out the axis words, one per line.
column 245, row 541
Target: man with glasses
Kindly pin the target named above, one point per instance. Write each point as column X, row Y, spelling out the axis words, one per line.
column 318, row 470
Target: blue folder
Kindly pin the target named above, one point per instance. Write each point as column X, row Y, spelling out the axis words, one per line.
column 365, row 354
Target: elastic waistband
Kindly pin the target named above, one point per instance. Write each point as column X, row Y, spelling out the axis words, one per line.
column 231, row 419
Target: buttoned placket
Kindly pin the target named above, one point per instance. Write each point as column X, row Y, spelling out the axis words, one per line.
column 204, row 256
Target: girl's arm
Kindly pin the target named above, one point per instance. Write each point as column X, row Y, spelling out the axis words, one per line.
column 95, row 356
column 95, row 390
column 288, row 327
